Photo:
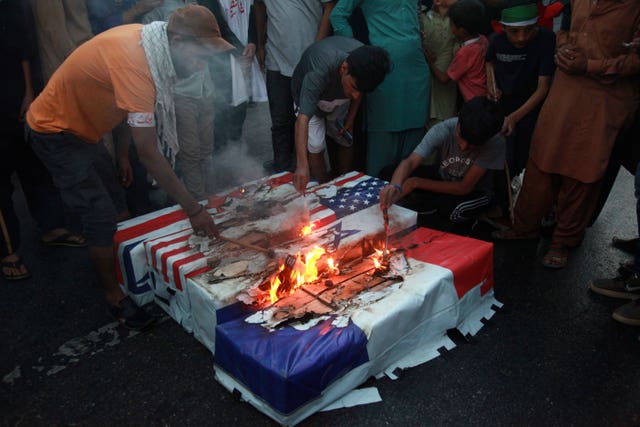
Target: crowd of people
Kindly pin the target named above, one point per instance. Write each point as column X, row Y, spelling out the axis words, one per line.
column 104, row 102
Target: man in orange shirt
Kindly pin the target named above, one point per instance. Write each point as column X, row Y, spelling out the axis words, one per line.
column 125, row 73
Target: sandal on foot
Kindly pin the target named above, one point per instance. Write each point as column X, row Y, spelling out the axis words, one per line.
column 14, row 266
column 556, row 257
column 67, row 238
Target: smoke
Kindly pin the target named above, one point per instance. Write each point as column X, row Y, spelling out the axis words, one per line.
column 233, row 166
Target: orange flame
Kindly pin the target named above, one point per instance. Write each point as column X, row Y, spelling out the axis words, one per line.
column 376, row 263
column 311, row 271
column 378, row 259
column 303, row 272
column 307, row 229
column 333, row 267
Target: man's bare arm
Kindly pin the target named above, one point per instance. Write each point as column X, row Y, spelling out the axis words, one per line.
column 324, row 29
column 302, row 175
column 146, row 145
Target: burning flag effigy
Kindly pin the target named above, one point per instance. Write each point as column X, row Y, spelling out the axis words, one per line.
column 304, row 299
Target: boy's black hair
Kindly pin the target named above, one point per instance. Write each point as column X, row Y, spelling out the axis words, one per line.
column 479, row 120
column 368, row 65
column 468, row 15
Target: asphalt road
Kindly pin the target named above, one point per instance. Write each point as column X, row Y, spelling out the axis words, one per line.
column 551, row 356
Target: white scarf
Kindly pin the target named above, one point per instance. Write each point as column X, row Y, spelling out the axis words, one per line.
column 156, row 48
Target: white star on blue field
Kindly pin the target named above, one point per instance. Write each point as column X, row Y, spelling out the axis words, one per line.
column 349, row 200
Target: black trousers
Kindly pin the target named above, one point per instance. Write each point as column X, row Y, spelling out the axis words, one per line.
column 43, row 199
column 452, row 208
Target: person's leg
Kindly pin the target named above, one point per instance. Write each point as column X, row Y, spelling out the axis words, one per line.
column 519, row 145
column 282, row 120
column 11, row 267
column 105, row 168
column 317, row 167
column 534, row 201
column 501, row 196
column 43, row 199
column 237, row 116
column 10, row 141
column 71, row 164
column 341, row 157
column 384, row 148
column 315, row 148
column 408, row 140
column 466, row 208
column 629, row 314
column 10, row 236
column 576, row 202
column 340, row 148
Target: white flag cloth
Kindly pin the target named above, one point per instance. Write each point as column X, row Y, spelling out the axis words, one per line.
column 237, row 14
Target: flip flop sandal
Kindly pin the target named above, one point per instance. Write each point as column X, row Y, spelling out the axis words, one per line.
column 556, row 257
column 17, row 265
column 66, row 239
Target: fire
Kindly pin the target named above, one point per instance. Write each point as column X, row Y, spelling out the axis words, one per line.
column 333, row 267
column 275, row 284
column 306, row 230
column 311, row 271
column 380, row 259
column 293, row 273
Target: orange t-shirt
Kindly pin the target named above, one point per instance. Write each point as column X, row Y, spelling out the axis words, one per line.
column 96, row 87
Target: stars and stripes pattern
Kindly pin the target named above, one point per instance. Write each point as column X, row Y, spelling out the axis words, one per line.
column 356, row 191
column 142, row 243
column 160, row 240
column 352, row 199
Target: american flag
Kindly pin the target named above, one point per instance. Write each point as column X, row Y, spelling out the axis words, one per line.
column 356, row 191
column 158, row 241
column 352, row 199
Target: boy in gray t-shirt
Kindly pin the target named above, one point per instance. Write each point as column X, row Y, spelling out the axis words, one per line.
column 458, row 186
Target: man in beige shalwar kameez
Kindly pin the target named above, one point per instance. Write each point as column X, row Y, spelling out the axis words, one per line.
column 594, row 94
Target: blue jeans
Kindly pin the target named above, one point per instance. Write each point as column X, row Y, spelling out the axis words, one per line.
column 71, row 164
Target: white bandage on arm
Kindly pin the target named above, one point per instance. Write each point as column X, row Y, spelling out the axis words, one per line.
column 141, row 120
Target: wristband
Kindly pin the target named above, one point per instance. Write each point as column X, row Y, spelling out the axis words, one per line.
column 196, row 213
column 396, row 186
